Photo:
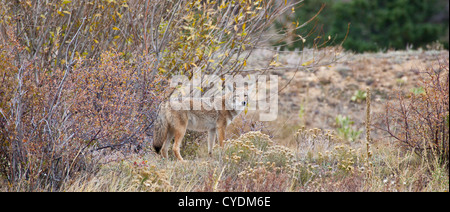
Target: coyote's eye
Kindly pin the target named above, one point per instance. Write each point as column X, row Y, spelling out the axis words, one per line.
column 244, row 103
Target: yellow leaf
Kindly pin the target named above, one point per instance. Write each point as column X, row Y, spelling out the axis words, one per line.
column 241, row 16
column 66, row 12
column 273, row 63
column 117, row 36
column 308, row 63
column 115, row 28
column 199, row 88
column 96, row 41
column 245, row 62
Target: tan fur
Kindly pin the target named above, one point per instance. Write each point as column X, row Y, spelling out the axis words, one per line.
column 174, row 123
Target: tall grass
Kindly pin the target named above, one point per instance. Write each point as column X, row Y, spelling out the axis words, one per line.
column 337, row 167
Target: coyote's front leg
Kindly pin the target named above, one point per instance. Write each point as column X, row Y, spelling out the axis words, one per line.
column 221, row 134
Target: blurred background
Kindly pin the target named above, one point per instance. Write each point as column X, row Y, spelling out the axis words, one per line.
column 375, row 25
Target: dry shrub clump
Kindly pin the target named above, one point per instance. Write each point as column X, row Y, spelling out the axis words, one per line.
column 419, row 119
column 262, row 178
column 248, row 148
column 253, row 162
column 312, row 141
column 51, row 120
column 325, row 160
column 150, row 178
column 114, row 101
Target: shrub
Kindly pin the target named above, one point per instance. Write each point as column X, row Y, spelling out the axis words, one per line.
column 109, row 98
column 242, row 150
column 419, row 120
column 280, row 156
column 249, row 147
column 47, row 127
column 255, row 149
column 345, row 156
column 314, row 140
column 150, row 178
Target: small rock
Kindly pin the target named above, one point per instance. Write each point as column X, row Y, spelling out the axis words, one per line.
column 399, row 74
column 370, row 81
column 344, row 71
column 324, row 76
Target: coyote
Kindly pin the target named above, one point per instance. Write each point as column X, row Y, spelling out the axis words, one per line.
column 172, row 123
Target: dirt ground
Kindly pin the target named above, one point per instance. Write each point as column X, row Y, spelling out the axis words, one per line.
column 315, row 97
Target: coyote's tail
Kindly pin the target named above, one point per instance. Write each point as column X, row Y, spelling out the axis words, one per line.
column 160, row 130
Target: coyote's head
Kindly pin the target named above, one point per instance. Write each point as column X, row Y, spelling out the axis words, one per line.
column 238, row 99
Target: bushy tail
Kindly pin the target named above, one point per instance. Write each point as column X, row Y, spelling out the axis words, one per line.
column 160, row 131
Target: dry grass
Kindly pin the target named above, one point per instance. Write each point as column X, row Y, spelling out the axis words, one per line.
column 242, row 165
